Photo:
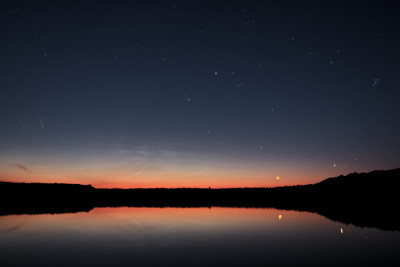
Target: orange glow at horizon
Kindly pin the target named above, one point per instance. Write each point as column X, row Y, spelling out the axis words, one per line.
column 221, row 180
column 164, row 176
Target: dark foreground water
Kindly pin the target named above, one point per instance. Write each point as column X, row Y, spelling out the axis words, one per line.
column 191, row 237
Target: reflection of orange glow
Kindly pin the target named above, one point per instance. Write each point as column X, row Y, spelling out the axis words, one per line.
column 280, row 217
column 103, row 221
column 222, row 215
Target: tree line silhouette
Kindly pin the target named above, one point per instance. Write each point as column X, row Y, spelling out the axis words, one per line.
column 363, row 199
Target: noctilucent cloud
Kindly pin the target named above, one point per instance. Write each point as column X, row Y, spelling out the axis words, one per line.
column 197, row 93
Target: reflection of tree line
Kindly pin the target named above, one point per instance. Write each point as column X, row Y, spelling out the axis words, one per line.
column 361, row 199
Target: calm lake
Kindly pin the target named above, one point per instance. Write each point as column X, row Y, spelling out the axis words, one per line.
column 191, row 237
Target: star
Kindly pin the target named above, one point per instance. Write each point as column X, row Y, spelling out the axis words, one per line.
column 215, row 73
column 376, row 82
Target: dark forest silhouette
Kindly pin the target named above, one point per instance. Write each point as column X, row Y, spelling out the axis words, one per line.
column 363, row 199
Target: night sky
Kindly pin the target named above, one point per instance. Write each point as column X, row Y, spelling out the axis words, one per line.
column 197, row 93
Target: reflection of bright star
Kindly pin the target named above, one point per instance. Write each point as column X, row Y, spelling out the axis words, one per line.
column 280, row 217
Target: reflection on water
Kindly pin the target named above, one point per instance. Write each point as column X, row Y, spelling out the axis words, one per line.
column 191, row 236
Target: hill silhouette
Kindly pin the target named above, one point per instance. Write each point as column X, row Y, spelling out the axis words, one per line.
column 362, row 199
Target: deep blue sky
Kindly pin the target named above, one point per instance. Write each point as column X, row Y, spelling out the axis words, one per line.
column 197, row 93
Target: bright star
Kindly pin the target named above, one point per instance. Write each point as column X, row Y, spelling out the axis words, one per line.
column 376, row 82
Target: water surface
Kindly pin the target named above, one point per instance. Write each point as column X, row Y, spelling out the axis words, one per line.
column 191, row 236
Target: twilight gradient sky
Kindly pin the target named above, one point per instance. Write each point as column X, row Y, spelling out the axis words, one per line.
column 197, row 93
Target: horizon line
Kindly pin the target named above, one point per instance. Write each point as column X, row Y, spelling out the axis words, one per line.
column 205, row 188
